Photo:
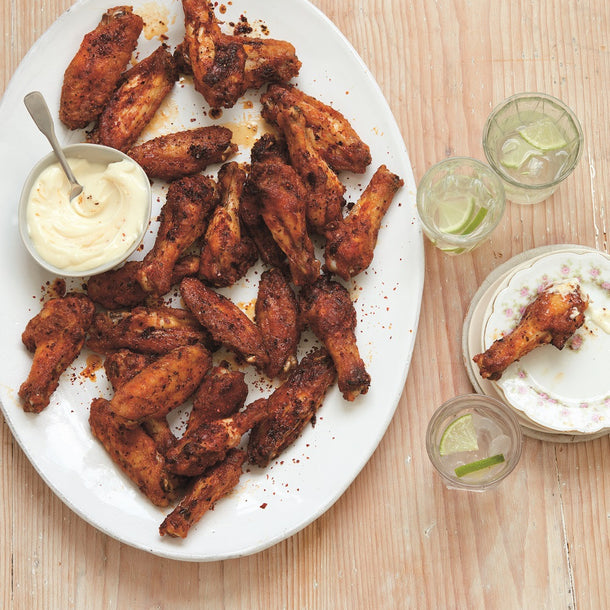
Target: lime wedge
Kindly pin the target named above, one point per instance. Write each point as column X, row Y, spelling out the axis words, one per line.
column 455, row 213
column 474, row 222
column 515, row 152
column 465, row 469
column 544, row 135
column 458, row 436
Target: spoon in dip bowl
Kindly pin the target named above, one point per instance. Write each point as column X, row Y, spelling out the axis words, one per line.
column 39, row 111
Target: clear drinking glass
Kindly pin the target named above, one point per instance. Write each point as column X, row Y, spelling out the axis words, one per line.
column 460, row 201
column 533, row 141
column 474, row 442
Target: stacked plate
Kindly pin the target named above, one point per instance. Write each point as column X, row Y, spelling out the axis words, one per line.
column 558, row 395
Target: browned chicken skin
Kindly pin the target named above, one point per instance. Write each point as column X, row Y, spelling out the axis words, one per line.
column 227, row 253
column 55, row 336
column 135, row 452
column 283, row 204
column 93, row 73
column 277, row 316
column 208, row 444
column 553, row 317
column 119, row 288
column 291, row 407
column 149, row 330
column 350, row 242
column 330, row 132
column 225, row 66
column 203, row 493
column 324, row 189
column 163, row 385
column 327, row 308
column 183, row 220
column 140, row 93
column 183, row 153
column 122, row 365
column 225, row 321
column 222, row 393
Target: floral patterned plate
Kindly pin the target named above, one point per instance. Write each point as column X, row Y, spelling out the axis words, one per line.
column 564, row 390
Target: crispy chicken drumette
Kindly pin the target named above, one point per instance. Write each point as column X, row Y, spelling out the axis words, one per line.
column 93, row 73
column 183, row 220
column 350, row 242
column 327, row 308
column 227, row 252
column 291, row 407
column 184, row 153
column 553, row 317
column 55, row 336
column 140, row 93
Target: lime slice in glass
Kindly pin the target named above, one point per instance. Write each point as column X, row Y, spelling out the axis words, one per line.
column 459, row 435
column 465, row 469
column 544, row 135
column 454, row 213
column 515, row 152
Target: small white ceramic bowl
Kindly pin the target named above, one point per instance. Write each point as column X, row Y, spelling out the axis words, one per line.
column 94, row 153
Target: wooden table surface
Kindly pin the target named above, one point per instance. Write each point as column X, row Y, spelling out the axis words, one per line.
column 397, row 538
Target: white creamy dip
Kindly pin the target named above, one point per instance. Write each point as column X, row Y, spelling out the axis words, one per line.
column 98, row 226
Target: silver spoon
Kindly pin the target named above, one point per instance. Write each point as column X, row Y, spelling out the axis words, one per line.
column 38, row 109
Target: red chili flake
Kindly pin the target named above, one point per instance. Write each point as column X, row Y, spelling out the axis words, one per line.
column 263, row 505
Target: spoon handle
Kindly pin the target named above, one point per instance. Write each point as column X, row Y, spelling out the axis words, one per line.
column 39, row 111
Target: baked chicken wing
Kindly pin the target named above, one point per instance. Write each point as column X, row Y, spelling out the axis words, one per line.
column 163, row 385
column 183, row 153
column 328, row 310
column 277, row 316
column 350, row 242
column 135, row 452
column 283, row 203
column 324, row 189
column 225, row 321
column 140, row 93
column 552, row 317
column 203, row 493
column 208, row 444
column 93, row 73
column 148, row 330
column 227, row 252
column 183, row 220
column 225, row 66
column 291, row 407
column 330, row 132
column 55, row 336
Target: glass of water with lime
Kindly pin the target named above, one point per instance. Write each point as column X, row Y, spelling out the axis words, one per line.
column 534, row 142
column 460, row 201
column 474, row 442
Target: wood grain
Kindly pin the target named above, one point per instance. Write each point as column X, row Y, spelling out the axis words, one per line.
column 397, row 538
